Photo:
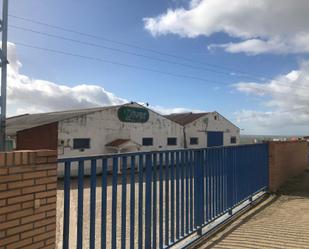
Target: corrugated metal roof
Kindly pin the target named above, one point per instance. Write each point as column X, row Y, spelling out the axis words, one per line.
column 27, row 121
column 185, row 118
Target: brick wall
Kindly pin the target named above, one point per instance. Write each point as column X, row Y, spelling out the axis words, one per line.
column 28, row 183
column 286, row 159
column 40, row 137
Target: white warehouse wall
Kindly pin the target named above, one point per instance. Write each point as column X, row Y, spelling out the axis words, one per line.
column 199, row 127
column 104, row 126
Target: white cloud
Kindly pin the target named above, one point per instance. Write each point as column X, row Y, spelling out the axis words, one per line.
column 262, row 26
column 288, row 98
column 27, row 95
column 164, row 110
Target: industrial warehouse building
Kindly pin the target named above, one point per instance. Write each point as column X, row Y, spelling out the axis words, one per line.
column 206, row 129
column 115, row 129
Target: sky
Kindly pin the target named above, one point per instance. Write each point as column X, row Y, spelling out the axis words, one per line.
column 248, row 60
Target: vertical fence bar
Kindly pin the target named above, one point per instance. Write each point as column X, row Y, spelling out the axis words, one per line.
column 187, row 190
column 201, row 187
column 161, row 201
column 177, row 195
column 154, row 202
column 140, row 201
column 124, row 202
column 191, row 190
column 104, row 201
column 80, row 205
column 93, row 186
column 132, row 202
column 221, row 156
column 148, row 202
column 172, row 197
column 182, row 165
column 166, row 198
column 114, row 202
column 212, row 172
column 216, row 164
column 196, row 190
column 66, row 208
column 207, row 186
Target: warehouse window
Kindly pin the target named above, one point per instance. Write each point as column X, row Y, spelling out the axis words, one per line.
column 233, row 140
column 193, row 140
column 147, row 141
column 171, row 141
column 81, row 143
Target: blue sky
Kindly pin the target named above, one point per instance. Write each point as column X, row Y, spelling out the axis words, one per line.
column 124, row 21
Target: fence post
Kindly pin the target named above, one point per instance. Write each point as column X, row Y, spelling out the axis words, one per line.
column 148, row 201
column 230, row 178
column 198, row 205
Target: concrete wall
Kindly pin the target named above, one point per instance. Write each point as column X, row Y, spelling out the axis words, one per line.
column 208, row 122
column 41, row 137
column 28, row 184
column 104, row 126
column 286, row 159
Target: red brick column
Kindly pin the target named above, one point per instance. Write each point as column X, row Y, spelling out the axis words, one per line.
column 28, row 186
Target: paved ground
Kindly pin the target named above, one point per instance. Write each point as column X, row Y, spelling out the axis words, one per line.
column 282, row 221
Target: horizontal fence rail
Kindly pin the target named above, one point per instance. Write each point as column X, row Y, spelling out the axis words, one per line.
column 154, row 199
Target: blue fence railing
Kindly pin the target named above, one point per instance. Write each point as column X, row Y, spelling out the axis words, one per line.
column 155, row 199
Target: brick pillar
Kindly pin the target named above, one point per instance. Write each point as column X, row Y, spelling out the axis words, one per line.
column 28, row 187
column 286, row 159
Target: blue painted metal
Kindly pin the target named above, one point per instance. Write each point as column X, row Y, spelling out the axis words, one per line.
column 172, row 168
column 66, row 208
column 167, row 238
column 188, row 189
column 114, row 203
column 93, row 185
column 177, row 195
column 124, row 202
column 132, row 203
column 148, row 202
column 182, row 215
column 140, row 200
column 154, row 202
column 161, row 243
column 104, row 203
column 80, row 205
column 214, row 138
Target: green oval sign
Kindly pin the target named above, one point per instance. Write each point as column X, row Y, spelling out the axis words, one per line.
column 133, row 114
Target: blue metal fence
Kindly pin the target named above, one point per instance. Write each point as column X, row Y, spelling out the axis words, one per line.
column 157, row 199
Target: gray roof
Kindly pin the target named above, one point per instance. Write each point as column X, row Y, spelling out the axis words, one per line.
column 27, row 121
column 185, row 118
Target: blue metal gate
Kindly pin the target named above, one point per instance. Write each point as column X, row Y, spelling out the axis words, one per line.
column 214, row 138
column 156, row 199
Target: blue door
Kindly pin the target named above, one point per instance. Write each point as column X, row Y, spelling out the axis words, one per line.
column 214, row 138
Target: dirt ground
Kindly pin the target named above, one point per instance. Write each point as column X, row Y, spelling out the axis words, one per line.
column 86, row 216
column 282, row 221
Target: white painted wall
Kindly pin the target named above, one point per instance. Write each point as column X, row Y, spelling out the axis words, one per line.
column 104, row 126
column 208, row 122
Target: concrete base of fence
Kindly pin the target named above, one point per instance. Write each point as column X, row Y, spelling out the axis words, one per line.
column 28, row 187
column 286, row 159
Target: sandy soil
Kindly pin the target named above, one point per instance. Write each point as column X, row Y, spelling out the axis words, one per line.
column 282, row 221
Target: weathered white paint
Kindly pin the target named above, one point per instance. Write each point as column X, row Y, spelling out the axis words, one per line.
column 104, row 126
column 199, row 127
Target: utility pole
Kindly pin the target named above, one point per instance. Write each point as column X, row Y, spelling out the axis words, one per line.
column 4, row 62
